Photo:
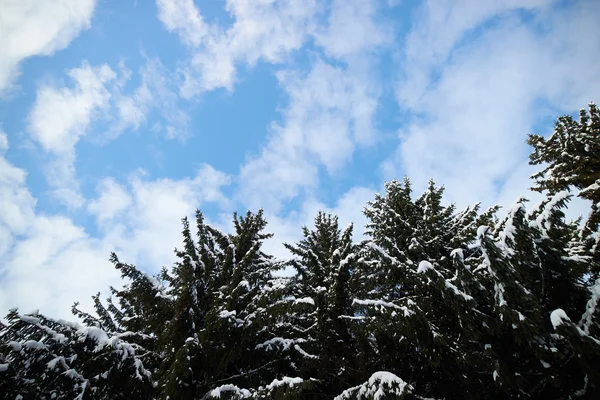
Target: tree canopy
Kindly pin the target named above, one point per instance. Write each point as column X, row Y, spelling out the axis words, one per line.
column 433, row 303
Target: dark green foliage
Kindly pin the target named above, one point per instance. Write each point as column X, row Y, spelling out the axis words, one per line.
column 423, row 305
column 435, row 303
column 325, row 261
column 50, row 359
column 570, row 158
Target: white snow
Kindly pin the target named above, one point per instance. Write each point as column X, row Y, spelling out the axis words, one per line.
column 304, row 353
column 590, row 308
column 457, row 253
column 591, row 188
column 542, row 220
column 16, row 346
column 29, row 320
column 379, row 386
column 424, row 266
column 94, row 333
column 52, row 363
column 227, row 314
column 306, row 300
column 558, row 316
column 482, row 230
column 284, row 381
column 508, row 232
column 272, row 344
column 3, row 367
column 381, row 304
column 71, row 373
column 34, row 344
column 545, row 364
column 245, row 393
column 495, row 375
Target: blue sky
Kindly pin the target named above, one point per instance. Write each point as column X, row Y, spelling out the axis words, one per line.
column 117, row 118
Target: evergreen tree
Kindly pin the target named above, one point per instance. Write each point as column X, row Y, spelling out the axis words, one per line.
column 434, row 303
column 517, row 341
column 325, row 260
column 571, row 159
column 421, row 309
column 217, row 286
column 43, row 358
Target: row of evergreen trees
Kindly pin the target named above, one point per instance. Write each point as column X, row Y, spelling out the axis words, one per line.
column 435, row 303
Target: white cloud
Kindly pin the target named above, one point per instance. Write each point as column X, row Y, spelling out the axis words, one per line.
column 54, row 264
column 16, row 203
column 143, row 217
column 330, row 111
column 61, row 116
column 182, row 17
column 475, row 114
column 261, row 30
column 112, row 201
column 154, row 97
column 3, row 140
column 45, row 261
column 438, row 27
column 270, row 31
column 352, row 30
column 48, row 261
column 37, row 27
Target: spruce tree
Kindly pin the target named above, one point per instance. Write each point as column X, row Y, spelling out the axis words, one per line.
column 571, row 160
column 43, row 358
column 213, row 284
column 325, row 260
column 421, row 308
column 517, row 340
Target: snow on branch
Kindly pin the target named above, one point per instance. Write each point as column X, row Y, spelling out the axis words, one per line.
column 381, row 305
column 231, row 391
column 558, row 317
column 425, row 266
column 591, row 307
column 380, row 386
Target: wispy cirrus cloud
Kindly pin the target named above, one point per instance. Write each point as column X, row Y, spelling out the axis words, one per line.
column 353, row 29
column 16, row 202
column 183, row 18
